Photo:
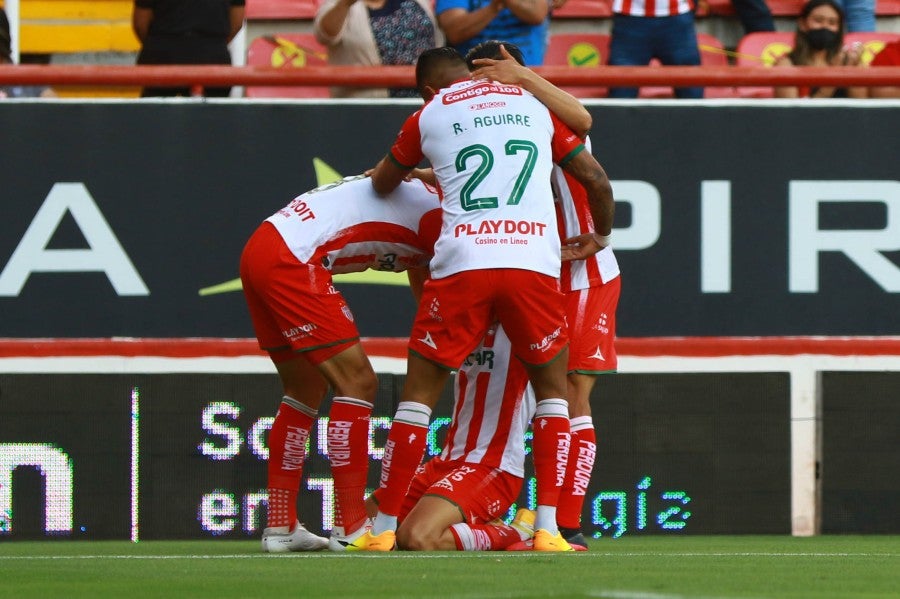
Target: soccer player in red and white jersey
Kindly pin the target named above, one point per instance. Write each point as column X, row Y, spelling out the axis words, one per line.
column 592, row 286
column 308, row 329
column 498, row 257
column 455, row 498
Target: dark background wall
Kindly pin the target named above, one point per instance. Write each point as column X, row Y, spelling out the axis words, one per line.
column 182, row 186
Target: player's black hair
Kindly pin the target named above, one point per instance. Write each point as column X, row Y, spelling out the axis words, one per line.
column 491, row 49
column 433, row 65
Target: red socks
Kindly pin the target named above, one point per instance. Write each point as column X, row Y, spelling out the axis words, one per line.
column 288, row 441
column 403, row 453
column 348, row 451
column 551, row 449
column 578, row 472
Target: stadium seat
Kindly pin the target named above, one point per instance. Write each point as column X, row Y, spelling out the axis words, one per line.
column 76, row 26
column 281, row 9
column 785, row 8
column 712, row 54
column 582, row 50
column 887, row 8
column 286, row 51
column 724, row 8
column 584, row 9
column 762, row 48
column 872, row 42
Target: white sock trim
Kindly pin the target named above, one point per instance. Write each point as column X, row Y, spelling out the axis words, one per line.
column 353, row 401
column 414, row 413
column 299, row 406
column 581, row 423
column 548, row 408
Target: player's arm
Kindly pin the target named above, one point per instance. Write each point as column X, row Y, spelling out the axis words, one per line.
column 402, row 158
column 566, row 106
column 417, row 277
column 590, row 174
column 388, row 174
column 425, row 175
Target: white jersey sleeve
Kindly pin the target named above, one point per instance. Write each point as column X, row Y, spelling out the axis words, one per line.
column 347, row 227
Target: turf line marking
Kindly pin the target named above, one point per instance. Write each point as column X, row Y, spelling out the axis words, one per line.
column 646, row 595
column 636, row 595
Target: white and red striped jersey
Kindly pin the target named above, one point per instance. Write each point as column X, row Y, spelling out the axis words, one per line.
column 574, row 216
column 492, row 409
column 492, row 147
column 347, row 227
column 652, row 8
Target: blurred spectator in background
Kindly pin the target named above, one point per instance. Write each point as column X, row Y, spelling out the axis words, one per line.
column 819, row 42
column 754, row 15
column 376, row 32
column 16, row 91
column 524, row 23
column 186, row 32
column 860, row 14
column 643, row 30
column 888, row 57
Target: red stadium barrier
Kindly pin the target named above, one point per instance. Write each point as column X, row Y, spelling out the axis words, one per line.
column 395, row 347
column 390, row 76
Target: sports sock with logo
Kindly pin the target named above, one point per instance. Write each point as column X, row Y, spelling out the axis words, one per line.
column 348, row 452
column 582, row 454
column 484, row 537
column 287, row 453
column 403, row 453
column 551, row 454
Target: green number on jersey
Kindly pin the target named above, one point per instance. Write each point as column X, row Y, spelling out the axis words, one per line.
column 486, row 162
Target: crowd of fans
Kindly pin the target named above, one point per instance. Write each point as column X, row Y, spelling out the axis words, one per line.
column 395, row 32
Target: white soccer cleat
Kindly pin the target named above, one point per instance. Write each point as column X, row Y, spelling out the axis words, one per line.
column 280, row 540
column 338, row 541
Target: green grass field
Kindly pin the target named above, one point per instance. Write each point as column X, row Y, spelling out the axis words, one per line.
column 633, row 568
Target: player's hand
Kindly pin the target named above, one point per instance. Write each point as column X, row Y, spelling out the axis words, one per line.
column 426, row 175
column 583, row 246
column 506, row 70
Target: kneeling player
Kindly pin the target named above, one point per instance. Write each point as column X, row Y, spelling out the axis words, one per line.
column 455, row 500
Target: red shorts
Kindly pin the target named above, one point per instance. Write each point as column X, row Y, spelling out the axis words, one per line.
column 294, row 306
column 481, row 493
column 456, row 311
column 591, row 314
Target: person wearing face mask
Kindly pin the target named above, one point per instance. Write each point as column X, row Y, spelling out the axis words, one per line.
column 819, row 42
